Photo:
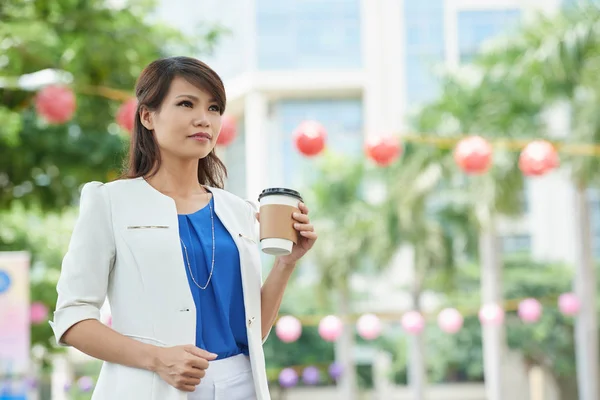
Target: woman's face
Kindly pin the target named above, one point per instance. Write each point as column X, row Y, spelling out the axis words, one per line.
column 188, row 122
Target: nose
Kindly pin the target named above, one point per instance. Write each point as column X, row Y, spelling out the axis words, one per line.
column 201, row 120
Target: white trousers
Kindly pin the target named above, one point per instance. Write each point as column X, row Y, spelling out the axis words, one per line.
column 226, row 379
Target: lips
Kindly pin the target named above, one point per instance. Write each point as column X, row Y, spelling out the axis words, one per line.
column 201, row 135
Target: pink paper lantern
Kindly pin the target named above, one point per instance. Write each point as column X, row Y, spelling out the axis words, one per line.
column 530, row 310
column 56, row 104
column 450, row 320
column 413, row 322
column 569, row 304
column 491, row 315
column 368, row 326
column 288, row 329
column 107, row 320
column 126, row 114
column 38, row 313
column 330, row 328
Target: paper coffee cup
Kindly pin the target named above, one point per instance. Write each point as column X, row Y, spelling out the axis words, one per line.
column 277, row 233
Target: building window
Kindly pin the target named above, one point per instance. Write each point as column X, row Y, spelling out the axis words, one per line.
column 594, row 208
column 296, row 34
column 424, row 48
column 475, row 27
column 342, row 118
column 512, row 244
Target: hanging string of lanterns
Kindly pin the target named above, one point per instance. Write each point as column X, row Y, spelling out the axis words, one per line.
column 472, row 154
column 450, row 320
column 288, row 329
column 368, row 326
column 56, row 104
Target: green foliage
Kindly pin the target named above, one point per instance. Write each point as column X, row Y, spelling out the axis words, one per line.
column 549, row 342
column 46, row 237
column 99, row 50
column 309, row 349
column 96, row 46
column 344, row 218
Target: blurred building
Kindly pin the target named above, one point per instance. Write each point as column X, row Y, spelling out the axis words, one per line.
column 359, row 67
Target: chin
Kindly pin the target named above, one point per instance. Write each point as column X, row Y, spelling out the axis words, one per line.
column 198, row 154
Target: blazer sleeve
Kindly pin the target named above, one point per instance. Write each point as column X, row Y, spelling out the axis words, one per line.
column 255, row 228
column 86, row 266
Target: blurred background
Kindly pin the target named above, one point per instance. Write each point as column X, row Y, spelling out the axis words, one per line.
column 448, row 151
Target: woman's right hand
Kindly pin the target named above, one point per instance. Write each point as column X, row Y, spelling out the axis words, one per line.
column 182, row 367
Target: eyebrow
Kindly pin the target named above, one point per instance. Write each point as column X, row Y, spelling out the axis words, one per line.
column 195, row 98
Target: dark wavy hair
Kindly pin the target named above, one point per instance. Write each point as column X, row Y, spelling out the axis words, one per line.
column 151, row 89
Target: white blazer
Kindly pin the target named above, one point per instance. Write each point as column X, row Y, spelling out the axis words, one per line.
column 125, row 246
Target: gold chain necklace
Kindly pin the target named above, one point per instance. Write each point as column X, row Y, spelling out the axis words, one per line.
column 212, row 266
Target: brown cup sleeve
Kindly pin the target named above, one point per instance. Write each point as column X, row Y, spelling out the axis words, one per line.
column 276, row 221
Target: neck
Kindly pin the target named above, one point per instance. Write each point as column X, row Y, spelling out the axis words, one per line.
column 177, row 178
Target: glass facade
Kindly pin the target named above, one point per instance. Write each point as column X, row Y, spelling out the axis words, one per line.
column 475, row 27
column 342, row 118
column 308, row 34
column 594, row 205
column 575, row 2
column 230, row 57
column 424, row 48
column 516, row 244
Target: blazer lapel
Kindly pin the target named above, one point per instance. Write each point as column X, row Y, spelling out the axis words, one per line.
column 234, row 220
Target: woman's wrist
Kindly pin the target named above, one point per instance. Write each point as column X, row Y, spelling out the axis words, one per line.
column 282, row 263
column 151, row 357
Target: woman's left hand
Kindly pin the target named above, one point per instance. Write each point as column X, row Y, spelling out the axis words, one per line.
column 306, row 239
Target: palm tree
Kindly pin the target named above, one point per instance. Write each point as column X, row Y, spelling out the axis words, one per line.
column 412, row 215
column 478, row 100
column 560, row 53
column 344, row 219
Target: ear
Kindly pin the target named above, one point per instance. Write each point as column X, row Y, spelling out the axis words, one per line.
column 147, row 118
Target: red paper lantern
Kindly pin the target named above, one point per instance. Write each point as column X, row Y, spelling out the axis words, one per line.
column 473, row 155
column 384, row 150
column 56, row 104
column 126, row 114
column 538, row 158
column 228, row 131
column 309, row 138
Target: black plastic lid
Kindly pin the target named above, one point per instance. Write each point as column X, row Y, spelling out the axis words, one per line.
column 280, row 191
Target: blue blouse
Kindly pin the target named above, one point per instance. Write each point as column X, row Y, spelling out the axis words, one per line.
column 220, row 326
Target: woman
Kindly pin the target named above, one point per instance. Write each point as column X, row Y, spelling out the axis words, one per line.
column 176, row 256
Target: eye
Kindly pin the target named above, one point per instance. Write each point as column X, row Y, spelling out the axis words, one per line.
column 214, row 108
column 185, row 103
